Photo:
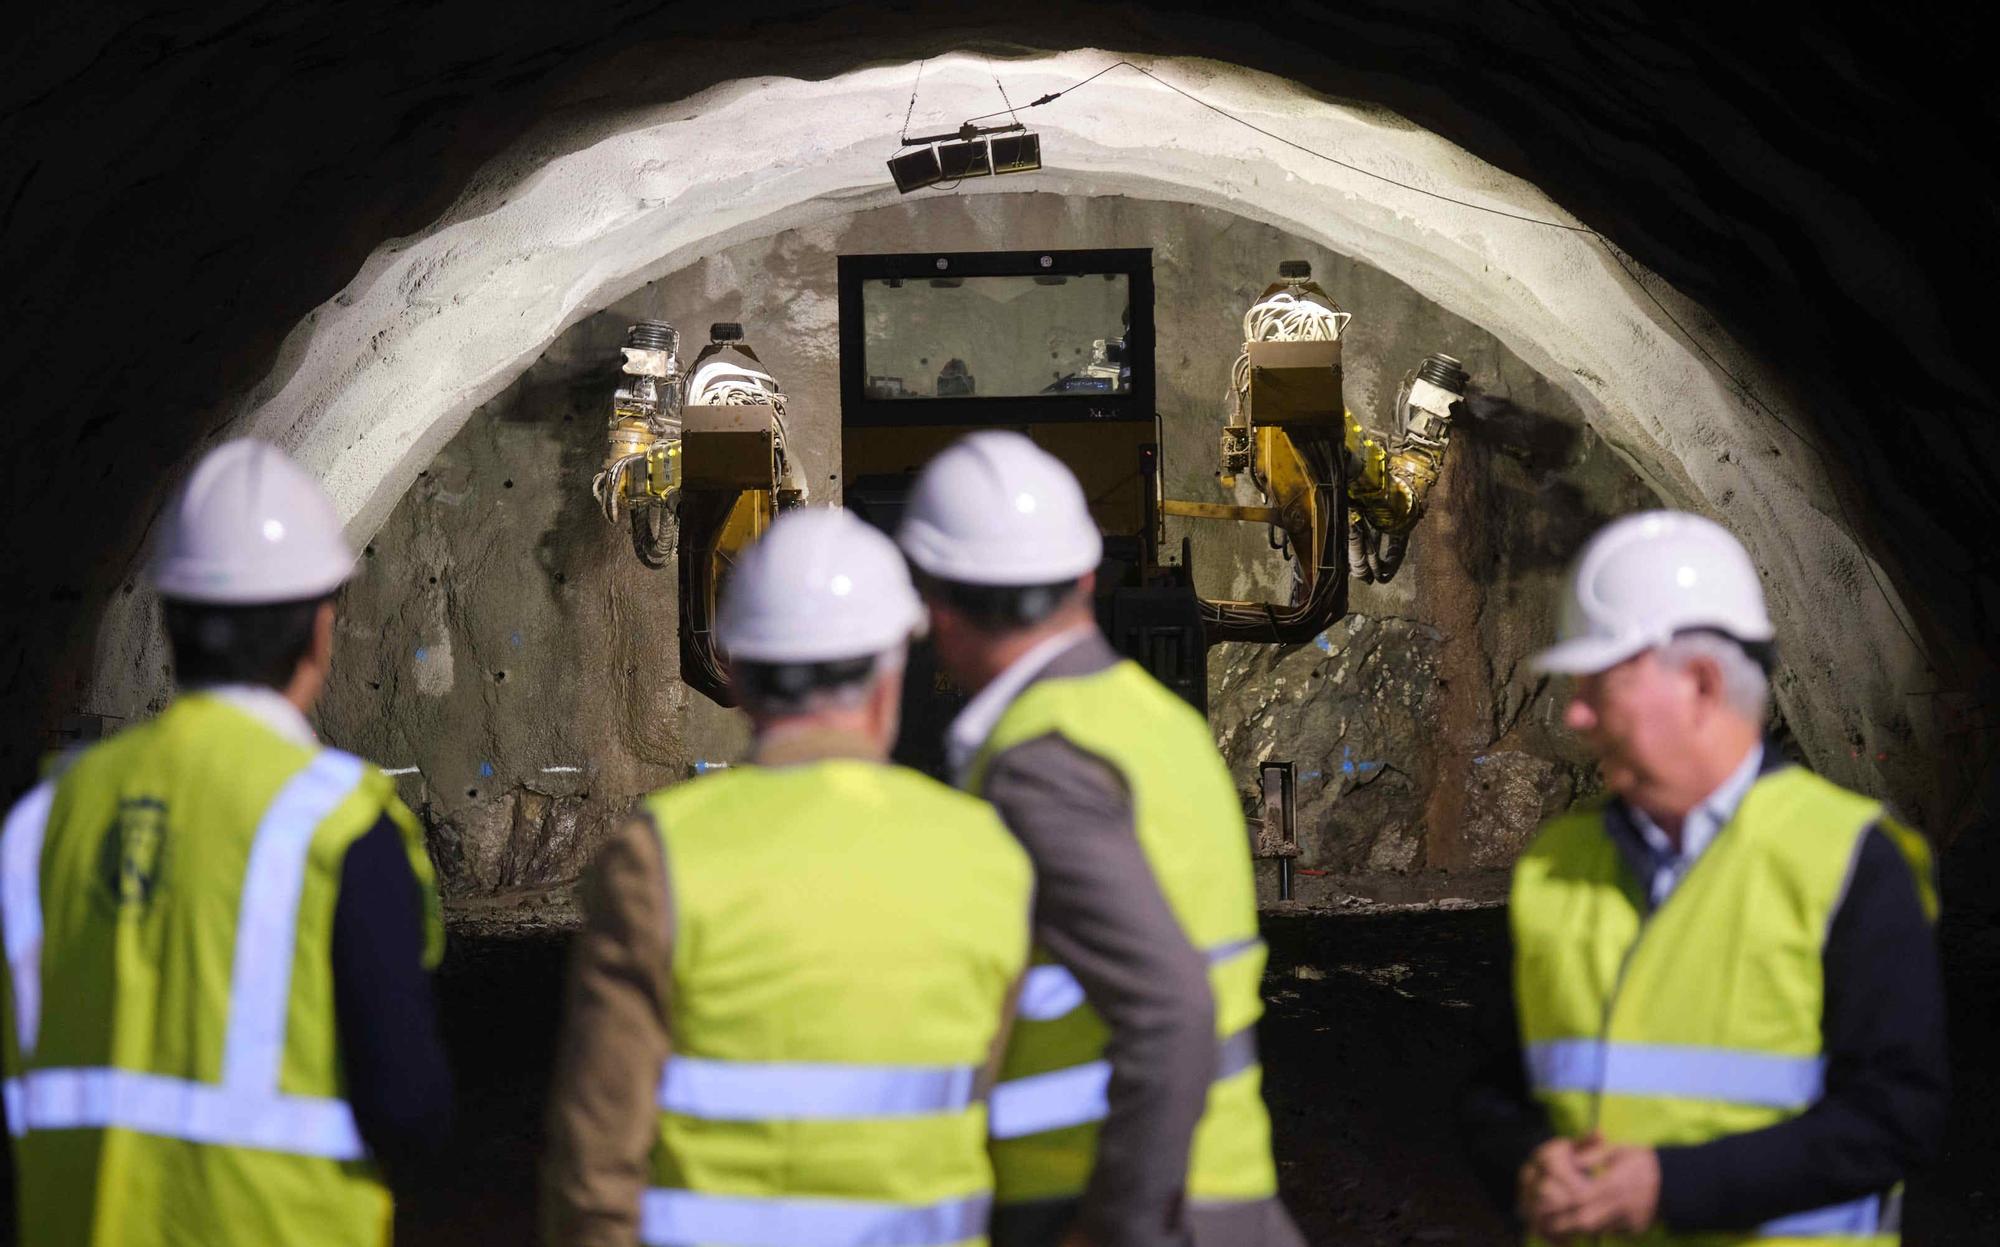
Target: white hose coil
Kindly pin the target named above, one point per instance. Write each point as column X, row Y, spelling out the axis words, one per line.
column 1283, row 317
column 1286, row 317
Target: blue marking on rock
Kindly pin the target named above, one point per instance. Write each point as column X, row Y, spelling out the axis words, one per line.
column 486, row 770
column 422, row 653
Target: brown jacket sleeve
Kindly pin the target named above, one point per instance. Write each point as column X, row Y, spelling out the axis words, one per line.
column 601, row 1117
column 1101, row 914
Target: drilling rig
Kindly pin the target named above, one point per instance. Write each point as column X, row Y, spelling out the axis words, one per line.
column 1060, row 346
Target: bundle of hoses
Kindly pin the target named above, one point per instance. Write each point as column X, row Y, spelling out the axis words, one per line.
column 608, row 486
column 1287, row 317
column 723, row 383
column 648, row 393
column 1373, row 557
column 1282, row 317
column 717, row 383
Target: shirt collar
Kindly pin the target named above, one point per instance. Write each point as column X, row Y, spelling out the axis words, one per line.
column 1707, row 818
column 982, row 714
column 266, row 705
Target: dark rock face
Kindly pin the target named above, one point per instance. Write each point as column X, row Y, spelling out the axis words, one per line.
column 504, row 642
column 1421, row 741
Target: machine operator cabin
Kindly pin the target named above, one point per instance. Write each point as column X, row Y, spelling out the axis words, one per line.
column 1351, row 353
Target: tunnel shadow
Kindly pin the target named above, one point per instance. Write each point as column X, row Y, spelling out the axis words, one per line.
column 1542, row 443
column 1518, row 476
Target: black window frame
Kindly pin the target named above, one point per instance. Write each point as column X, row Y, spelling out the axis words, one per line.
column 857, row 410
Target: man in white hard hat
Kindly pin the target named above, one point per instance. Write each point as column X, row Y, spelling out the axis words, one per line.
column 219, row 1022
column 793, row 976
column 1728, row 1018
column 1130, row 1105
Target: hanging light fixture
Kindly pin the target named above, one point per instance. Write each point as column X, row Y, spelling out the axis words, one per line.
column 967, row 152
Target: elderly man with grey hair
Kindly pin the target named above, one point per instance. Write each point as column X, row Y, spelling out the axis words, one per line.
column 1727, row 1018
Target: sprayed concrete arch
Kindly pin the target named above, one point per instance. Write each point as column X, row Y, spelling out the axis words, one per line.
column 373, row 382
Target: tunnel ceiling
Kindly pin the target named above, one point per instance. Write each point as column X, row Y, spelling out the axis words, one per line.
column 184, row 191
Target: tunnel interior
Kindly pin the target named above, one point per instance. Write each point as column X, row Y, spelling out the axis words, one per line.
column 506, row 649
column 1678, row 268
column 374, row 381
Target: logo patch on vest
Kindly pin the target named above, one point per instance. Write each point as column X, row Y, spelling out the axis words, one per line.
column 129, row 862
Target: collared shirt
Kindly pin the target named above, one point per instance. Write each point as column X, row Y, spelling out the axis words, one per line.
column 268, row 706
column 977, row 721
column 1698, row 829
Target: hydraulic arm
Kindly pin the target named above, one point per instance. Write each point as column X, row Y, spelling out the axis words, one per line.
column 1327, row 483
column 703, row 461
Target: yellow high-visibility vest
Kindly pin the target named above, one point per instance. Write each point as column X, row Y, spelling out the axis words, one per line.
column 1701, row 1019
column 172, row 1063
column 845, row 937
column 1051, row 1097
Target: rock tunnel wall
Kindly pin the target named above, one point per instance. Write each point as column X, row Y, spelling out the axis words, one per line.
column 210, row 176
column 505, row 648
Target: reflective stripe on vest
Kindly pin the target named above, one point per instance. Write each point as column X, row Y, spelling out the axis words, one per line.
column 797, row 1091
column 1049, row 991
column 175, row 1108
column 1859, row 1217
column 246, row 1108
column 678, row 1218
column 1077, row 1095
column 21, row 908
column 1680, row 1071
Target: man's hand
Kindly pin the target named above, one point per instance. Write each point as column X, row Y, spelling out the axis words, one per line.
column 1621, row 1194
column 1552, row 1181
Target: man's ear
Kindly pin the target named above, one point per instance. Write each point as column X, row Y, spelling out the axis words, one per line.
column 1707, row 676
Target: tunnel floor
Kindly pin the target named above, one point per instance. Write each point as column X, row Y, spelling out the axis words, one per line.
column 1372, row 1024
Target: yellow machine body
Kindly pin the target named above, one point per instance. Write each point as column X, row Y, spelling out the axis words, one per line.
column 1108, row 459
column 1294, row 434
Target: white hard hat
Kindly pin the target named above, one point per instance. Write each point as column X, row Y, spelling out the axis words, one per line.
column 1644, row 578
column 820, row 586
column 996, row 509
column 251, row 527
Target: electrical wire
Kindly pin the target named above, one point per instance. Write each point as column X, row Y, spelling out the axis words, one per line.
column 1003, row 96
column 911, row 111
column 1279, row 138
column 1610, row 248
